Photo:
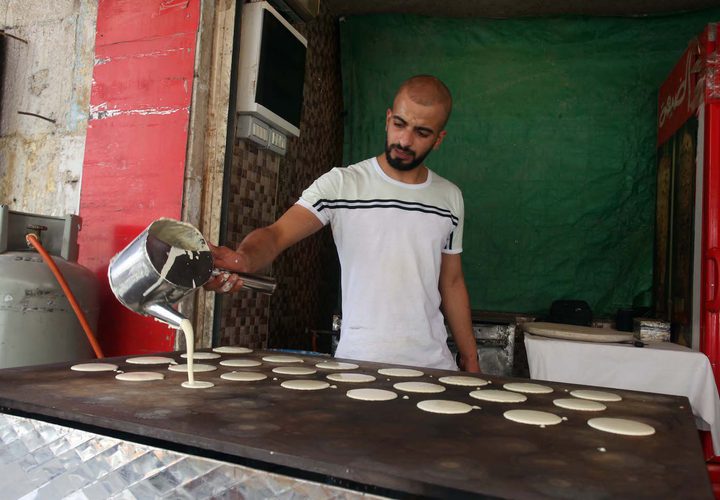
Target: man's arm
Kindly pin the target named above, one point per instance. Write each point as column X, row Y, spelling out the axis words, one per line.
column 260, row 248
column 456, row 306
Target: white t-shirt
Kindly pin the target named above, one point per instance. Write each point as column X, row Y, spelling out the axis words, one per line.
column 390, row 237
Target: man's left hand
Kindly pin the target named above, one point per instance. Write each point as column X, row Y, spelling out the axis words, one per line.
column 471, row 364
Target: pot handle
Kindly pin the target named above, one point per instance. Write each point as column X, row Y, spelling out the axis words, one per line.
column 252, row 281
column 259, row 283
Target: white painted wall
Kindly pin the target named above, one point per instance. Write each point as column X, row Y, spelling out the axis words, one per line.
column 50, row 75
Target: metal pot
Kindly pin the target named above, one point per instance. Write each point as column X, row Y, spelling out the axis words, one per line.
column 165, row 262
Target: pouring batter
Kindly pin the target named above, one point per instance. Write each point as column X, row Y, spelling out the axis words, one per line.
column 191, row 383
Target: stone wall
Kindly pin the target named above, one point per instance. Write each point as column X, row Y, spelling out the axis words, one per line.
column 47, row 67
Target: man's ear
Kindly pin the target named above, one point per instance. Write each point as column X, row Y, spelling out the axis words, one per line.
column 439, row 140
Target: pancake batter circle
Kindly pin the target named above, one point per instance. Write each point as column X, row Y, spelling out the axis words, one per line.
column 305, row 385
column 294, row 370
column 282, row 359
column 94, row 367
column 232, row 350
column 532, row 417
column 244, row 376
column 579, row 404
column 353, row 378
column 528, row 388
column 371, row 394
column 198, row 384
column 150, row 360
column 197, row 367
column 621, row 426
column 595, row 395
column 337, row 365
column 444, row 406
column 139, row 376
column 423, row 387
column 202, row 355
column 400, row 372
column 240, row 363
column 498, row 396
column 463, row 380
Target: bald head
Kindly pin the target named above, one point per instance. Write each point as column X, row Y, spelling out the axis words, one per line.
column 427, row 90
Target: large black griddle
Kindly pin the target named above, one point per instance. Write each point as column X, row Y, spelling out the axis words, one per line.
column 383, row 446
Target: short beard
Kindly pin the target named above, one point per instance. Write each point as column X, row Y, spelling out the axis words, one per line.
column 397, row 164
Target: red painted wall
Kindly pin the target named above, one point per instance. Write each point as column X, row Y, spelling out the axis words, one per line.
column 135, row 148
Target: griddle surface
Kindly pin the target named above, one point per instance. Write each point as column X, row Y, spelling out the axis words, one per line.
column 392, row 444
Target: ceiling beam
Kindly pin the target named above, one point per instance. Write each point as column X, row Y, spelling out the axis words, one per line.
column 516, row 8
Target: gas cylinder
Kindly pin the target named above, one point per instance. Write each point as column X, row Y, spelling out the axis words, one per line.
column 37, row 322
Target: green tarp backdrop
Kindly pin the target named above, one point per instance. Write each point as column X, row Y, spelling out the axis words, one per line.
column 552, row 141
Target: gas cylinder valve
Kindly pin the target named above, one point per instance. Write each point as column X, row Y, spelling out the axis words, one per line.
column 37, row 230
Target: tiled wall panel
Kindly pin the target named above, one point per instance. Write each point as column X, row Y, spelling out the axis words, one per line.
column 263, row 186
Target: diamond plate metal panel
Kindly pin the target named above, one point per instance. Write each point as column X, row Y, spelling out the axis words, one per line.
column 40, row 460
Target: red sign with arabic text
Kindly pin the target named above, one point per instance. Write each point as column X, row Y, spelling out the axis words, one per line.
column 676, row 100
column 694, row 79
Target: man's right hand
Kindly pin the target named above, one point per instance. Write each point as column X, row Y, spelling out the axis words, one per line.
column 259, row 248
column 225, row 261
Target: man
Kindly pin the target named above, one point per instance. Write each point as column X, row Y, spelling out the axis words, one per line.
column 398, row 231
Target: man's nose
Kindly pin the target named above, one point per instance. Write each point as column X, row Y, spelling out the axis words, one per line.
column 405, row 138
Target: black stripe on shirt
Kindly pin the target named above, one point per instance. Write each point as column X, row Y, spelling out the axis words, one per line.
column 409, row 206
column 450, row 241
